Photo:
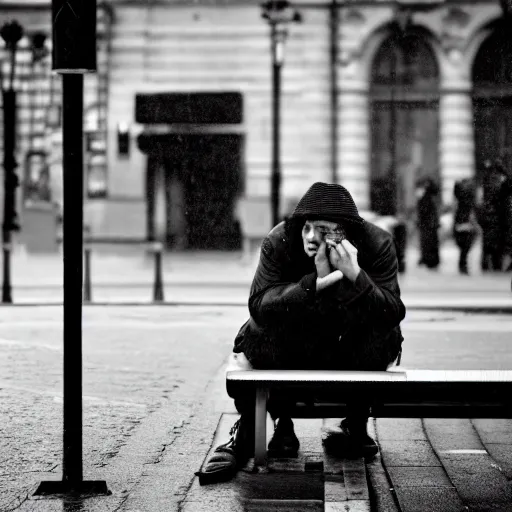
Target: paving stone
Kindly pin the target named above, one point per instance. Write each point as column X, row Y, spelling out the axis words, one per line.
column 209, row 506
column 348, row 506
column 429, row 499
column 473, row 472
column 282, row 505
column 400, row 429
column 334, row 489
column 408, row 453
column 491, row 507
column 218, row 491
column 452, row 434
column 418, row 477
column 379, row 486
column 280, row 486
column 354, row 474
column 502, row 455
column 332, row 465
column 494, row 430
column 477, row 479
column 286, row 465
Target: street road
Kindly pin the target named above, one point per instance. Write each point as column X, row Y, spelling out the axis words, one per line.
column 153, row 383
column 428, row 291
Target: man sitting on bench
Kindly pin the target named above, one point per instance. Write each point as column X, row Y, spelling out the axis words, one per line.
column 325, row 296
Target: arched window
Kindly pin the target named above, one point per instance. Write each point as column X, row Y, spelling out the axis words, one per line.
column 492, row 99
column 406, row 66
column 404, row 94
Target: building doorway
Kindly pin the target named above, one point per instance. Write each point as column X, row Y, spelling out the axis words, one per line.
column 200, row 177
column 404, row 117
column 194, row 164
column 492, row 100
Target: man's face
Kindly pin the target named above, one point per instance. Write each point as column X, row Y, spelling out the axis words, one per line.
column 314, row 231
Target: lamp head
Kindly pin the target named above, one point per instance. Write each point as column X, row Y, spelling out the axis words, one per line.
column 39, row 50
column 280, row 12
column 11, row 32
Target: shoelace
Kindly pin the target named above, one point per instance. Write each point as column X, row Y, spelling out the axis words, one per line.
column 235, row 428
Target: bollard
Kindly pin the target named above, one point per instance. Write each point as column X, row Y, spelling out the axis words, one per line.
column 87, row 274
column 6, row 285
column 158, row 285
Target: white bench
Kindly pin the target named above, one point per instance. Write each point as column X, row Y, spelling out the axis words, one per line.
column 390, row 394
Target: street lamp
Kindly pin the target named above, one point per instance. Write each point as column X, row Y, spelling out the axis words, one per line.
column 279, row 14
column 11, row 32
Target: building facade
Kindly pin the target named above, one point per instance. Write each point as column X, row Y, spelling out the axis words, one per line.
column 375, row 95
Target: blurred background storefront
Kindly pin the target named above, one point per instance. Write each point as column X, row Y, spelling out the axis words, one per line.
column 375, row 95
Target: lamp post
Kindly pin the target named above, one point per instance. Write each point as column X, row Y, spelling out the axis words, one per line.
column 39, row 52
column 11, row 32
column 279, row 14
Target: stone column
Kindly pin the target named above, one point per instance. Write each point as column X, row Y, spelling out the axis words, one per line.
column 355, row 144
column 456, row 137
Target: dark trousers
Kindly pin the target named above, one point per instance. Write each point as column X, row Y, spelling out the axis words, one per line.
column 464, row 241
column 280, row 405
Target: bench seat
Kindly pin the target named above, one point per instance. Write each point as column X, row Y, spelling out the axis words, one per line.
column 391, row 394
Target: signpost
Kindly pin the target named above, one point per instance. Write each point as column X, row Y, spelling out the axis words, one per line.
column 74, row 53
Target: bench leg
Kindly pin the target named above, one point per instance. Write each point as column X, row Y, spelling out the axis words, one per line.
column 260, row 432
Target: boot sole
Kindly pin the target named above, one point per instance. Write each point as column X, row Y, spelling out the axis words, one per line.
column 216, row 477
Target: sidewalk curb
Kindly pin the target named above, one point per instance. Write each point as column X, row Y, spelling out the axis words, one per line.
column 482, row 308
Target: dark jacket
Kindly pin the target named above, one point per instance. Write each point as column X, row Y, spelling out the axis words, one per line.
column 506, row 215
column 347, row 326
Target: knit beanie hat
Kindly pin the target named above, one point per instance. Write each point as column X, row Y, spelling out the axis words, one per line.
column 328, row 201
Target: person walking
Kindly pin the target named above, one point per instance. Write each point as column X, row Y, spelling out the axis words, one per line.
column 506, row 223
column 490, row 216
column 428, row 222
column 465, row 225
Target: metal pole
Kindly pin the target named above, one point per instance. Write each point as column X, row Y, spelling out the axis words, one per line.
column 158, row 285
column 87, row 274
column 276, row 122
column 334, row 53
column 10, row 184
column 72, row 120
column 73, row 54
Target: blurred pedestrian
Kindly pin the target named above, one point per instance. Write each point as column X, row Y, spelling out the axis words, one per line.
column 427, row 192
column 465, row 226
column 325, row 296
column 490, row 216
column 506, row 223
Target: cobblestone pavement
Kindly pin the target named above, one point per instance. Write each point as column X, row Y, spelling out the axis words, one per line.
column 136, row 362
column 154, row 392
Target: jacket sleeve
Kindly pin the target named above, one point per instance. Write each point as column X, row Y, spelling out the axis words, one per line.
column 271, row 298
column 375, row 294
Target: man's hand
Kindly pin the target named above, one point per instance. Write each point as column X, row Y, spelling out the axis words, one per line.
column 323, row 268
column 328, row 280
column 343, row 256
